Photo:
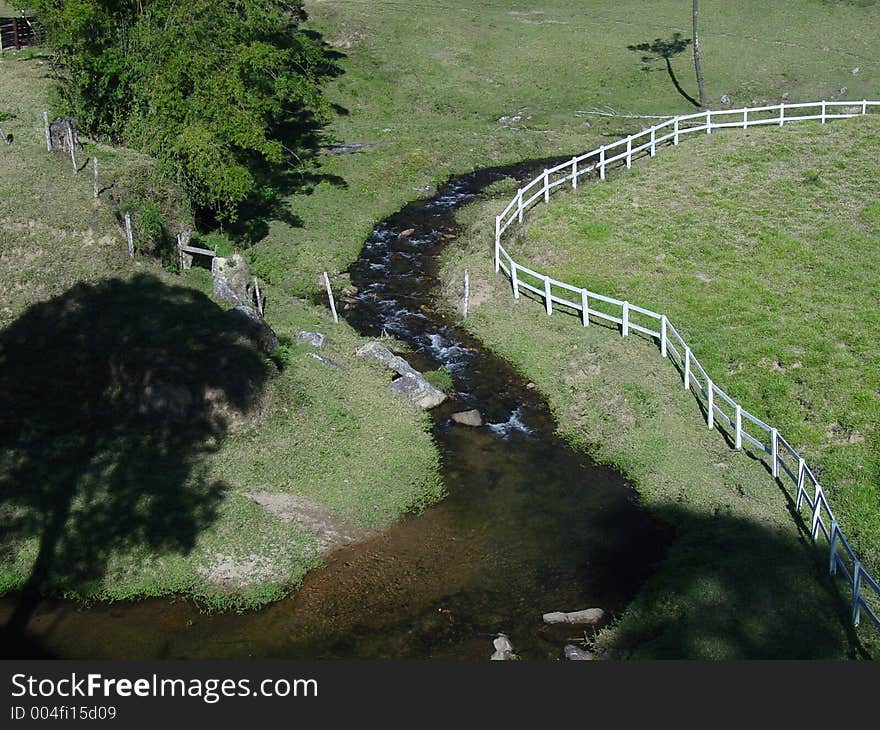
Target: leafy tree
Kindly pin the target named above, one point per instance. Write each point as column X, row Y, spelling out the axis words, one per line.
column 222, row 92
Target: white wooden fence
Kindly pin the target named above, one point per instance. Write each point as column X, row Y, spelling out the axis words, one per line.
column 721, row 410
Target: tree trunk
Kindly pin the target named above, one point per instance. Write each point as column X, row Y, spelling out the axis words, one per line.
column 697, row 64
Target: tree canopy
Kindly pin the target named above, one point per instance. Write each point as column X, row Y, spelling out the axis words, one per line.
column 217, row 90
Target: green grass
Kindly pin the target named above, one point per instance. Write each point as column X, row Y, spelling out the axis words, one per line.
column 761, row 246
column 429, row 83
column 153, row 507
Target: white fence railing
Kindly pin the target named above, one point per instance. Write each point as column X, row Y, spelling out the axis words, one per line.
column 721, row 410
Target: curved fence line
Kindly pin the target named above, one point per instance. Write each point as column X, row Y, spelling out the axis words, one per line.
column 721, row 410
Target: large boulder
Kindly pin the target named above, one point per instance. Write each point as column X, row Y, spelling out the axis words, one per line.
column 315, row 339
column 379, row 353
column 251, row 319
column 232, row 278
column 418, row 390
column 586, row 617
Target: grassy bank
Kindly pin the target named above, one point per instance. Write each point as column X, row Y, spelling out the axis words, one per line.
column 439, row 89
column 735, row 237
column 109, row 498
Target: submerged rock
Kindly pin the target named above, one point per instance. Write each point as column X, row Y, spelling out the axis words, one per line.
column 576, row 654
column 586, row 617
column 468, row 418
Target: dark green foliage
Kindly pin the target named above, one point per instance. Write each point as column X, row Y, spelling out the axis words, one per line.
column 224, row 93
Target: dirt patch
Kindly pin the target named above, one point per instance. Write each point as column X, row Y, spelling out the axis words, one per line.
column 234, row 572
column 330, row 529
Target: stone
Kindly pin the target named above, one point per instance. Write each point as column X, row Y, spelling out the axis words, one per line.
column 379, row 353
column 348, row 292
column 468, row 418
column 576, row 654
column 725, row 99
column 231, row 279
column 315, row 339
column 407, row 233
column 328, row 361
column 855, row 70
column 59, row 138
column 843, row 90
column 500, row 656
column 586, row 617
column 251, row 319
column 502, row 643
column 417, row 390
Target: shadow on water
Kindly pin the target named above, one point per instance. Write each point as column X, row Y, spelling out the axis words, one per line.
column 108, row 401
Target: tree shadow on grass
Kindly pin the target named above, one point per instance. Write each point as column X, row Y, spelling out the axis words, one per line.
column 110, row 396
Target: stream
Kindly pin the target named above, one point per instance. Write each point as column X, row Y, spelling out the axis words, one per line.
column 529, row 525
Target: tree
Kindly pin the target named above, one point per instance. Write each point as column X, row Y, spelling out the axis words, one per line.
column 697, row 60
column 222, row 92
column 666, row 49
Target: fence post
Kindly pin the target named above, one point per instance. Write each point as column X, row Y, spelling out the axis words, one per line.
column 774, row 453
column 739, row 427
column 675, row 131
column 519, row 207
column 497, row 243
column 467, row 292
column 548, row 302
column 95, row 176
column 514, row 280
column 624, row 330
column 602, row 162
column 128, row 235
column 781, row 114
column 710, row 402
column 708, row 121
column 864, row 106
column 653, row 141
column 259, row 298
column 663, row 335
column 546, row 186
column 823, row 111
column 46, row 131
column 857, row 589
column 745, row 118
column 574, row 173
column 832, row 562
column 629, row 152
column 687, row 367
column 585, row 308
column 330, row 297
column 70, row 142
column 179, row 255
column 817, row 508
column 802, row 474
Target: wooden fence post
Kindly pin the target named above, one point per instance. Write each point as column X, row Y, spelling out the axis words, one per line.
column 624, row 327
column 781, row 114
column 585, row 308
column 602, row 162
column 330, row 297
column 653, row 141
column 46, row 131
column 675, row 131
column 257, row 294
column 514, row 280
column 802, row 475
column 629, row 152
column 519, row 205
column 547, row 300
column 710, row 403
column 497, row 243
column 546, row 186
column 95, row 176
column 574, row 173
column 708, row 121
column 70, row 143
column 663, row 336
column 738, row 425
column 857, row 590
column 128, row 236
column 823, row 111
column 687, row 367
column 467, row 292
column 745, row 117
column 774, row 452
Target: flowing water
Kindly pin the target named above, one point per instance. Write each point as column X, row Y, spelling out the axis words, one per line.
column 528, row 526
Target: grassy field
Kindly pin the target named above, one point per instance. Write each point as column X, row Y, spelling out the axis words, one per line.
column 444, row 88
column 105, row 503
column 761, row 246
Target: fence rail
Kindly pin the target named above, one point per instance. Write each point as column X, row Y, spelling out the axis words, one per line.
column 722, row 411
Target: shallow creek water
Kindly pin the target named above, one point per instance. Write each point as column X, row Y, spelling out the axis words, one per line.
column 528, row 526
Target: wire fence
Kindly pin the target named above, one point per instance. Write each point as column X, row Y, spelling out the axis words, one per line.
column 786, row 465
